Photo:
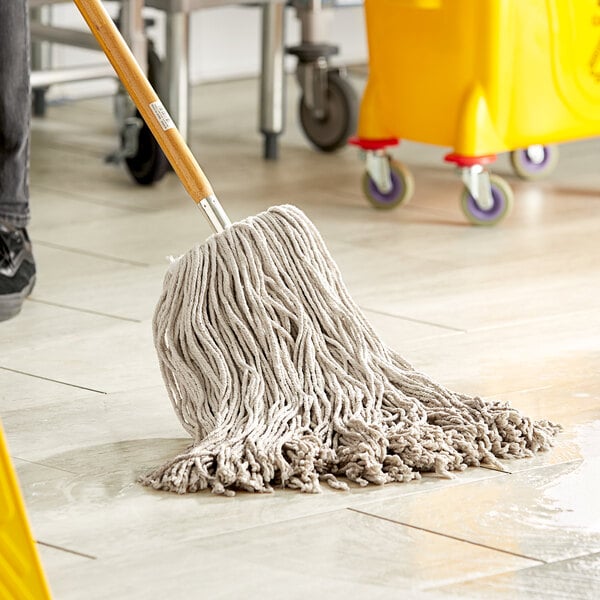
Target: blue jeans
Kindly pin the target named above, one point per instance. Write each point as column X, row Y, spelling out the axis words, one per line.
column 15, row 111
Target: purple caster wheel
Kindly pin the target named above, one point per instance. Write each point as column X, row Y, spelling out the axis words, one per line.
column 534, row 162
column 502, row 201
column 401, row 191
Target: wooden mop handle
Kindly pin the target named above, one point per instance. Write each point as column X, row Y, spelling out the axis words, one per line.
column 146, row 100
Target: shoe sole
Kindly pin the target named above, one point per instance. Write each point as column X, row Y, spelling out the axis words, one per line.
column 10, row 304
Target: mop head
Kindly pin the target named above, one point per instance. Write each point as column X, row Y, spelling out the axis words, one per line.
column 280, row 380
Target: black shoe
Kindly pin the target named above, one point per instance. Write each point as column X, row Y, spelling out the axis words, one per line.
column 17, row 270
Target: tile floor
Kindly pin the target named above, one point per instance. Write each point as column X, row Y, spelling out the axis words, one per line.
column 510, row 312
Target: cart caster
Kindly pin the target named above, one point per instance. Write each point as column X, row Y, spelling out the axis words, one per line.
column 139, row 150
column 148, row 164
column 534, row 162
column 329, row 127
column 490, row 210
column 386, row 183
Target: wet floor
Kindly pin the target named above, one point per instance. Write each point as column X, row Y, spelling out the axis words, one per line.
column 510, row 312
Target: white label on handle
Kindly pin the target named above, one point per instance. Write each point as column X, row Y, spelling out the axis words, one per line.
column 162, row 116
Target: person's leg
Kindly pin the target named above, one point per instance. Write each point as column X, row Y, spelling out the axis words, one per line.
column 17, row 267
column 15, row 110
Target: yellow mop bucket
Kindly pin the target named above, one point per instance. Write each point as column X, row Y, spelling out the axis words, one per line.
column 21, row 574
column 480, row 77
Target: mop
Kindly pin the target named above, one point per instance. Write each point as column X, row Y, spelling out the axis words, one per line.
column 270, row 365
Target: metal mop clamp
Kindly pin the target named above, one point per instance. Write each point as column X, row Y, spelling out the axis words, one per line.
column 153, row 112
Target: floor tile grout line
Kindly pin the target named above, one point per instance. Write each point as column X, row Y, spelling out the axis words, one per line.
column 317, row 513
column 404, row 318
column 280, row 521
column 440, row 587
column 496, row 469
column 55, row 547
column 41, row 464
column 491, row 327
column 499, row 473
column 68, row 147
column 568, row 558
column 83, row 310
column 446, row 535
column 483, row 577
column 369, row 501
column 105, row 257
column 482, row 328
column 538, row 319
column 73, row 385
column 535, row 468
column 94, row 201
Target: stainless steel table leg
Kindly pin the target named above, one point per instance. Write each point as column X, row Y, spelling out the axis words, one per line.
column 272, row 88
column 132, row 28
column 177, row 97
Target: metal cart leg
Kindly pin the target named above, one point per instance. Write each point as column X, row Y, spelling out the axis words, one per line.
column 272, row 88
column 133, row 30
column 177, row 66
column 40, row 60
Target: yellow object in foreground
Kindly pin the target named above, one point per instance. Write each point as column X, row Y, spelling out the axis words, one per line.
column 482, row 76
column 21, row 574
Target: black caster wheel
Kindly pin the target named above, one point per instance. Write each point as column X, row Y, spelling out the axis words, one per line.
column 148, row 164
column 331, row 131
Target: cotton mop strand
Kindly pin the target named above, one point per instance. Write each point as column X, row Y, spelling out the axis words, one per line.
column 280, row 380
column 272, row 368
